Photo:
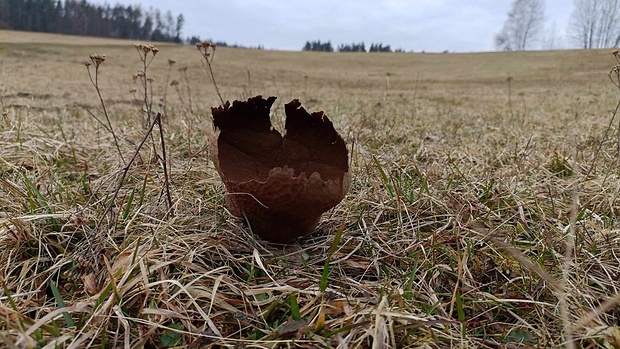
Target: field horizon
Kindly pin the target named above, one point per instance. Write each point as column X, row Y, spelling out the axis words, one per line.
column 483, row 210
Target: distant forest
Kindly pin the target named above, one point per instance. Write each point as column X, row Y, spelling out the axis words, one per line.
column 80, row 17
column 354, row 47
column 83, row 18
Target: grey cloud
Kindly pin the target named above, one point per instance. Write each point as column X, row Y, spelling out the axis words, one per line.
column 430, row 25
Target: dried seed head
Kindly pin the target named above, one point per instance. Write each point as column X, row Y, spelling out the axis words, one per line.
column 97, row 59
column 614, row 75
column 87, row 64
column 204, row 47
column 133, row 90
column 150, row 79
column 204, row 44
column 174, row 83
column 616, row 54
column 143, row 48
column 171, row 61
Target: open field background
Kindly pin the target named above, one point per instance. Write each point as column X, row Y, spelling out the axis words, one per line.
column 471, row 221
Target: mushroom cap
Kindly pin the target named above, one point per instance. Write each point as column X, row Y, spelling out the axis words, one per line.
column 280, row 185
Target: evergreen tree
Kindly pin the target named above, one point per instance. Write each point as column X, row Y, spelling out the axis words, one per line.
column 379, row 48
column 179, row 28
column 352, row 47
column 318, row 46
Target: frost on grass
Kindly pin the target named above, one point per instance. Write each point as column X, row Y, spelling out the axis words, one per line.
column 281, row 185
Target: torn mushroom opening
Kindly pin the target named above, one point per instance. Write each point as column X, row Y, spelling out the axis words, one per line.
column 289, row 181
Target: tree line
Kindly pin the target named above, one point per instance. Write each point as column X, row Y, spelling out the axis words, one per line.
column 194, row 39
column 592, row 24
column 354, row 47
column 83, row 18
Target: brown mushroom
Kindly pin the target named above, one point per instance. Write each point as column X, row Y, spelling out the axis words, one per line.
column 279, row 185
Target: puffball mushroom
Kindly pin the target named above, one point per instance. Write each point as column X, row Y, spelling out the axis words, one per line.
column 280, row 185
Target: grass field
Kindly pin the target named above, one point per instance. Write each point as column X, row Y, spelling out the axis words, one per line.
column 483, row 212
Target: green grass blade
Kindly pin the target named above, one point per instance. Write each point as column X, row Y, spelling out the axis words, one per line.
column 129, row 202
column 42, row 203
column 461, row 313
column 384, row 177
column 330, row 252
column 103, row 295
column 61, row 304
column 324, row 276
column 294, row 307
column 7, row 294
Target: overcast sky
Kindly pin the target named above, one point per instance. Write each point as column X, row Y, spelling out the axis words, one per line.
column 419, row 25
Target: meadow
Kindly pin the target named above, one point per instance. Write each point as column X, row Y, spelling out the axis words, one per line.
column 483, row 210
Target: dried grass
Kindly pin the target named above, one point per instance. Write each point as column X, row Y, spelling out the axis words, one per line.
column 466, row 225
